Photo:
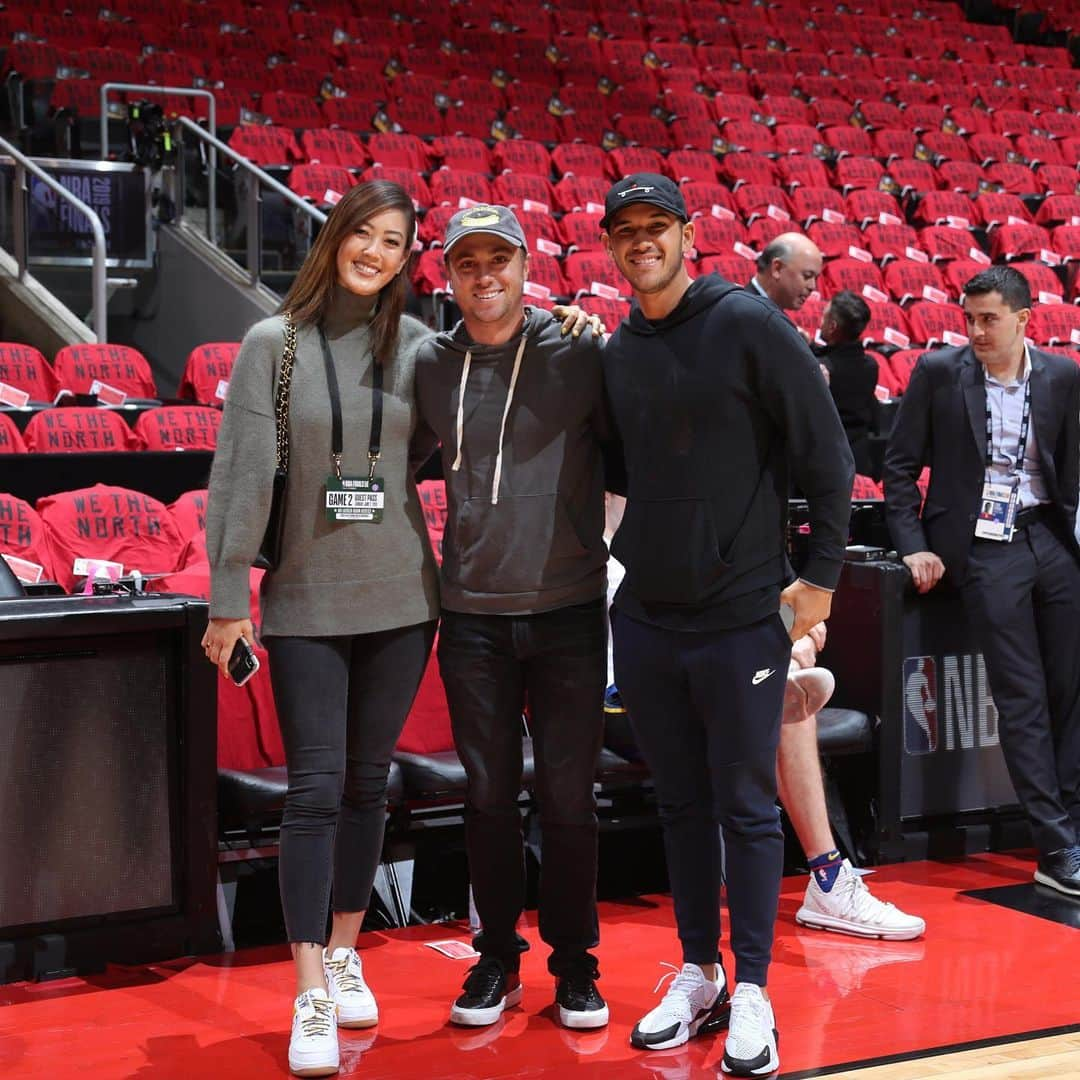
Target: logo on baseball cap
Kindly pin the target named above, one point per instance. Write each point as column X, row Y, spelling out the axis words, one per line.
column 644, row 188
column 496, row 220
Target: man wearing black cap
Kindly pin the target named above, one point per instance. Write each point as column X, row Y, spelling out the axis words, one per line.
column 714, row 393
column 518, row 408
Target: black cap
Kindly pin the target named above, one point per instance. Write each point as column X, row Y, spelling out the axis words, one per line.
column 496, row 220
column 644, row 188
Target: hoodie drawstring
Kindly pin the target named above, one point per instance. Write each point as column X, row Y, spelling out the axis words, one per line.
column 461, row 408
column 502, row 427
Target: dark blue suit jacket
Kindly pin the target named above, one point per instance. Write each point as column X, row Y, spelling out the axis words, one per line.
column 941, row 422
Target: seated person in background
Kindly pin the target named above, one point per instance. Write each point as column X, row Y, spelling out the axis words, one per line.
column 852, row 375
column 836, row 897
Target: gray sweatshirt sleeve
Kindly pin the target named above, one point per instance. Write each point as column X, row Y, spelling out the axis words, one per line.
column 241, row 479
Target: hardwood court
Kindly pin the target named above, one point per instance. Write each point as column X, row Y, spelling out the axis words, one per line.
column 991, row 967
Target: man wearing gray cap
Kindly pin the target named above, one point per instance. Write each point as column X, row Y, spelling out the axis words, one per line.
column 715, row 397
column 519, row 410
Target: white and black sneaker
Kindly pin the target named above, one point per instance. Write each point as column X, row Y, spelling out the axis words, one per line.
column 356, row 1006
column 580, row 1005
column 750, row 1049
column 487, row 991
column 692, row 1003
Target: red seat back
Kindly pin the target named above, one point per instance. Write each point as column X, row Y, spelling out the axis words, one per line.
column 78, row 367
column 24, row 368
column 79, row 431
column 179, row 427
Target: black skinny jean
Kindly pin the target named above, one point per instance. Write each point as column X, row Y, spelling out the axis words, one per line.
column 490, row 664
column 341, row 702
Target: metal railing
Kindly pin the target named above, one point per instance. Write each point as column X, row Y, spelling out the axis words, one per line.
column 254, row 203
column 99, row 286
column 211, row 157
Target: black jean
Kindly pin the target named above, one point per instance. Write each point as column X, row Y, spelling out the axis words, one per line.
column 341, row 702
column 1023, row 601
column 490, row 664
column 705, row 708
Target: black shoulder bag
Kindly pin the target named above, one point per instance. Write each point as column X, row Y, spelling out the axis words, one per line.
column 270, row 549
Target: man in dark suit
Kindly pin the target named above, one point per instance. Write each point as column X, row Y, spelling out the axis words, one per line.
column 998, row 423
column 787, row 271
column 852, row 374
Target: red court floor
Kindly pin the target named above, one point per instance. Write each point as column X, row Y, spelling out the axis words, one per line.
column 983, row 971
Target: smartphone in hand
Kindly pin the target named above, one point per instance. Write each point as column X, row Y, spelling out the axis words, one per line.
column 243, row 663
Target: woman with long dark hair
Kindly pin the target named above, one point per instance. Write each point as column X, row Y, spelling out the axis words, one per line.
column 348, row 614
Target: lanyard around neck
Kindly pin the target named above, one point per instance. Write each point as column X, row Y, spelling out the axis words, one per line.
column 1025, row 424
column 375, row 440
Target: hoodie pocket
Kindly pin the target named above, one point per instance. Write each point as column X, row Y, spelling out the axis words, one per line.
column 670, row 550
column 524, row 544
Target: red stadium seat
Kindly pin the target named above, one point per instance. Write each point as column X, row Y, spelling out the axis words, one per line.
column 683, row 165
column 189, row 513
column 398, row 151
column 1008, row 242
column 322, row 184
column 854, row 173
column 930, row 322
column 809, row 204
column 449, row 187
column 523, row 156
column 891, row 143
column 943, row 242
column 1001, row 208
column 78, row 431
column 11, row 440
column 266, row 145
column 903, row 362
column 799, row 139
column 907, row 280
column 612, row 312
column 937, row 207
column 179, row 427
column 849, row 140
column 1042, row 280
column 579, row 159
column 747, row 168
column 913, row 176
column 887, row 242
column 751, row 199
column 1059, row 210
column 1016, row 179
column 802, row 170
column 207, row 371
column 717, row 236
column 888, row 325
column 834, row 240
column 332, row 146
column 958, row 272
column 409, row 179
column 582, row 269
column 1058, row 180
column 463, row 152
column 544, row 270
column 1066, row 241
column 25, row 369
column 866, row 205
column 515, row 189
column 581, row 230
column 963, row 176
column 24, row 541
column 701, row 197
column 108, row 523
column 733, row 267
column 865, row 488
column 80, row 368
column 849, row 273
column 429, row 273
column 1055, row 324
column 291, row 110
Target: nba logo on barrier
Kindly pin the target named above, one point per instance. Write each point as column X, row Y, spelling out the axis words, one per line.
column 920, row 705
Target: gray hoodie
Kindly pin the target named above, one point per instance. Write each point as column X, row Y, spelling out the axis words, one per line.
column 520, row 426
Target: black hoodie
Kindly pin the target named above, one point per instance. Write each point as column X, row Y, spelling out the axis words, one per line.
column 712, row 404
column 520, row 428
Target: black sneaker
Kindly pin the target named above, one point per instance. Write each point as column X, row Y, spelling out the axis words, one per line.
column 580, row 1004
column 1060, row 870
column 487, row 991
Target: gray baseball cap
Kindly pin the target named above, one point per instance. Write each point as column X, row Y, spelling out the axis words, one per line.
column 496, row 220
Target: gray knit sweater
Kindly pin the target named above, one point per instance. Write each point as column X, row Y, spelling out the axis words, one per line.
column 334, row 578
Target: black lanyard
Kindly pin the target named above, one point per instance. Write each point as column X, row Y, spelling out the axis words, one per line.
column 1025, row 424
column 375, row 441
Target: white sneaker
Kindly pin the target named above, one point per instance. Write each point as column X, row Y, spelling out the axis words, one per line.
column 691, row 1002
column 356, row 1007
column 313, row 1047
column 850, row 908
column 750, row 1049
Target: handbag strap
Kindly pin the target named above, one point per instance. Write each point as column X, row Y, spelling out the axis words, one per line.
column 281, row 399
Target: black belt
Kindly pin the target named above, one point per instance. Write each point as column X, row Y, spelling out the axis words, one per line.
column 1030, row 515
